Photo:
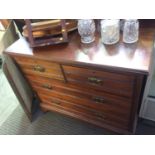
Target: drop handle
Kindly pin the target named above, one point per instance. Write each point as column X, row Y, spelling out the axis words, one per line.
column 100, row 115
column 47, row 86
column 98, row 99
column 39, row 68
column 95, row 80
column 55, row 102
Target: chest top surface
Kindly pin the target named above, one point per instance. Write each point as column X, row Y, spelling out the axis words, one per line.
column 136, row 57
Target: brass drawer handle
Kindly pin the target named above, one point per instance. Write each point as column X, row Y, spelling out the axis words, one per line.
column 95, row 80
column 100, row 115
column 47, row 86
column 39, row 68
column 98, row 99
column 56, row 102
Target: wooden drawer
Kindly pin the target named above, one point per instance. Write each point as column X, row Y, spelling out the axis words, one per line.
column 116, row 106
column 120, row 112
column 40, row 68
column 79, row 92
column 100, row 80
column 56, row 103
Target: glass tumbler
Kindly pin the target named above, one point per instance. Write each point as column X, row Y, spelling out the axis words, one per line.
column 86, row 29
column 110, row 31
column 131, row 31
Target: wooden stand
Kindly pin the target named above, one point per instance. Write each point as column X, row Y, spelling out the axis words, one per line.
column 35, row 42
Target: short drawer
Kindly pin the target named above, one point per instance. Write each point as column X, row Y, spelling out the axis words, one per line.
column 92, row 113
column 100, row 80
column 42, row 68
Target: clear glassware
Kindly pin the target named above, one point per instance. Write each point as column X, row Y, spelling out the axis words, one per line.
column 86, row 29
column 131, row 31
column 110, row 31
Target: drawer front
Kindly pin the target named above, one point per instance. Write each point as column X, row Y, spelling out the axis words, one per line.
column 113, row 107
column 97, row 97
column 100, row 80
column 91, row 113
column 40, row 68
column 122, row 113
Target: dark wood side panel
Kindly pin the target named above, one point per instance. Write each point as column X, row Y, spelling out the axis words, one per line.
column 138, row 91
column 26, row 96
column 8, row 76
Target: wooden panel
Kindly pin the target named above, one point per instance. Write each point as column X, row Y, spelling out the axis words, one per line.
column 120, row 113
column 19, row 81
column 89, row 102
column 78, row 91
column 26, row 96
column 96, row 115
column 57, row 101
column 40, row 68
column 100, row 80
column 47, row 73
column 84, row 117
column 116, row 107
column 33, row 61
column 118, row 57
column 102, row 74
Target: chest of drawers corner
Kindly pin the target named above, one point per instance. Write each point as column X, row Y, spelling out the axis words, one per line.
column 103, row 97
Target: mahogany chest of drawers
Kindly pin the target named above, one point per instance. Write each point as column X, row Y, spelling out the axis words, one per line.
column 102, row 85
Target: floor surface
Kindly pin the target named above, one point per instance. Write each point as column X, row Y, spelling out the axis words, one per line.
column 8, row 101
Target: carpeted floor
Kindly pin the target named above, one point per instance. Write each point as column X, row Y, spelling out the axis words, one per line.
column 48, row 124
column 8, row 101
column 56, row 124
column 13, row 120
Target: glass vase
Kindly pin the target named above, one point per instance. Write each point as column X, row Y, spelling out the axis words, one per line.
column 86, row 29
column 131, row 31
column 110, row 31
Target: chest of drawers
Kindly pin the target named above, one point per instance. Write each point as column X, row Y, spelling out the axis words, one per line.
column 105, row 92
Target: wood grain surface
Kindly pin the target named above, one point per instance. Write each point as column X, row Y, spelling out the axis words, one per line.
column 119, row 56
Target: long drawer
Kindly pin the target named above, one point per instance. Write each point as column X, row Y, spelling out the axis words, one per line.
column 117, row 107
column 121, row 113
column 84, row 117
column 122, row 101
column 55, row 103
column 110, row 82
column 97, row 97
column 42, row 68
